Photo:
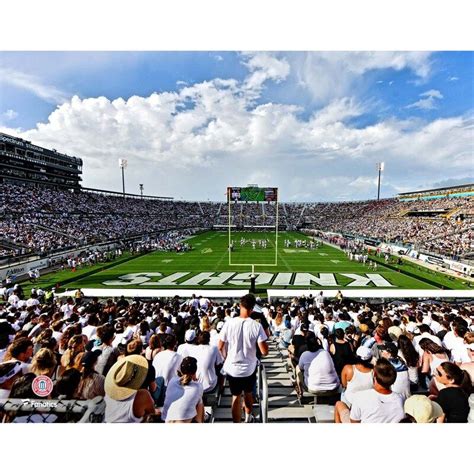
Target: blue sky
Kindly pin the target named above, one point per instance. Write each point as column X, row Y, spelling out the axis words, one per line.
column 313, row 123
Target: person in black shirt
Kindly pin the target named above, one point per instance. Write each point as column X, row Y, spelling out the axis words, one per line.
column 298, row 345
column 260, row 317
column 454, row 398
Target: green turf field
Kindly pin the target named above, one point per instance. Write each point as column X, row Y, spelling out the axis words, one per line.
column 207, row 267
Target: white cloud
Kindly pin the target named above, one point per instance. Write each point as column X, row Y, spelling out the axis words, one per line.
column 10, row 114
column 432, row 93
column 34, row 85
column 218, row 57
column 264, row 67
column 198, row 140
column 329, row 75
column 453, row 78
column 426, row 104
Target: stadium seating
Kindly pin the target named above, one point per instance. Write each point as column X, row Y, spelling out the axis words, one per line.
column 41, row 220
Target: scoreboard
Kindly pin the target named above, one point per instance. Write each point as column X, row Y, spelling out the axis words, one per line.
column 252, row 194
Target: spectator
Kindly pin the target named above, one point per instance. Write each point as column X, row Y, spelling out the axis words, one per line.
column 453, row 399
column 183, row 402
column 341, row 351
column 358, row 376
column 125, row 401
column 9, row 372
column 209, row 360
column 401, row 385
column 167, row 361
column 410, row 357
column 420, row 409
column 92, row 383
column 20, row 350
column 376, row 405
column 242, row 335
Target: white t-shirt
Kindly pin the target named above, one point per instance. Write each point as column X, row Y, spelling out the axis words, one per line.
column 304, row 362
column 402, row 384
column 13, row 300
column 166, row 364
column 207, row 358
column 448, row 339
column 32, row 302
column 242, row 336
column 67, row 310
column 322, row 374
column 370, row 406
column 90, row 332
column 459, row 352
column 186, row 349
column 181, row 400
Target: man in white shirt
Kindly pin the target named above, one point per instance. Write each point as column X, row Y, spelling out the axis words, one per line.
column 376, row 405
column 319, row 300
column 457, row 345
column 14, row 299
column 167, row 361
column 208, row 358
column 67, row 308
column 242, row 335
column 186, row 349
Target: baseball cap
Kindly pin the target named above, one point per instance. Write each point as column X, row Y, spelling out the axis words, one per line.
column 422, row 409
column 190, row 335
column 364, row 353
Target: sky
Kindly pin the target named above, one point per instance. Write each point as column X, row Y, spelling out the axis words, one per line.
column 313, row 124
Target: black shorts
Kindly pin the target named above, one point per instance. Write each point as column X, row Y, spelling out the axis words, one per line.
column 238, row 385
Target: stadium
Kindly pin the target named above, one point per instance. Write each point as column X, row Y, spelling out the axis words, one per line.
column 421, row 240
column 320, row 263
column 227, row 237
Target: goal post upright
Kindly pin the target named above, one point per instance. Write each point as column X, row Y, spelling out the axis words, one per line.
column 273, row 198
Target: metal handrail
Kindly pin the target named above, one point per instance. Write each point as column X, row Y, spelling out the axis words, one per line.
column 262, row 390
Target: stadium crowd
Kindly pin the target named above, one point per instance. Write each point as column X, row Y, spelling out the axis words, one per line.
column 41, row 220
column 157, row 360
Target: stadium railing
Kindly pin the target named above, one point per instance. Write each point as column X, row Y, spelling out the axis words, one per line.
column 262, row 391
column 86, row 411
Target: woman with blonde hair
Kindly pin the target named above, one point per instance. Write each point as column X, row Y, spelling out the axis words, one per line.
column 183, row 401
column 277, row 323
column 205, row 324
column 44, row 363
column 70, row 360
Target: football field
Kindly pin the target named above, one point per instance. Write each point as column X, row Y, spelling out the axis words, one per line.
column 210, row 266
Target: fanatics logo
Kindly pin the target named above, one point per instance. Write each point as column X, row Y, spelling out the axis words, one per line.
column 42, row 386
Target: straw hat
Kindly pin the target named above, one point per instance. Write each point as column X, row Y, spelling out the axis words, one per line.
column 126, row 376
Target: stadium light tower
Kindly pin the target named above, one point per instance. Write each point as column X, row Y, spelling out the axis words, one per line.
column 123, row 165
column 380, row 168
column 141, row 189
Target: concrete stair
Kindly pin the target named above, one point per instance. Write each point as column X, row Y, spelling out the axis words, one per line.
column 283, row 403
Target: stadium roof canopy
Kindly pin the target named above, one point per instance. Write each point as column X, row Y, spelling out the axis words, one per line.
column 461, row 187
